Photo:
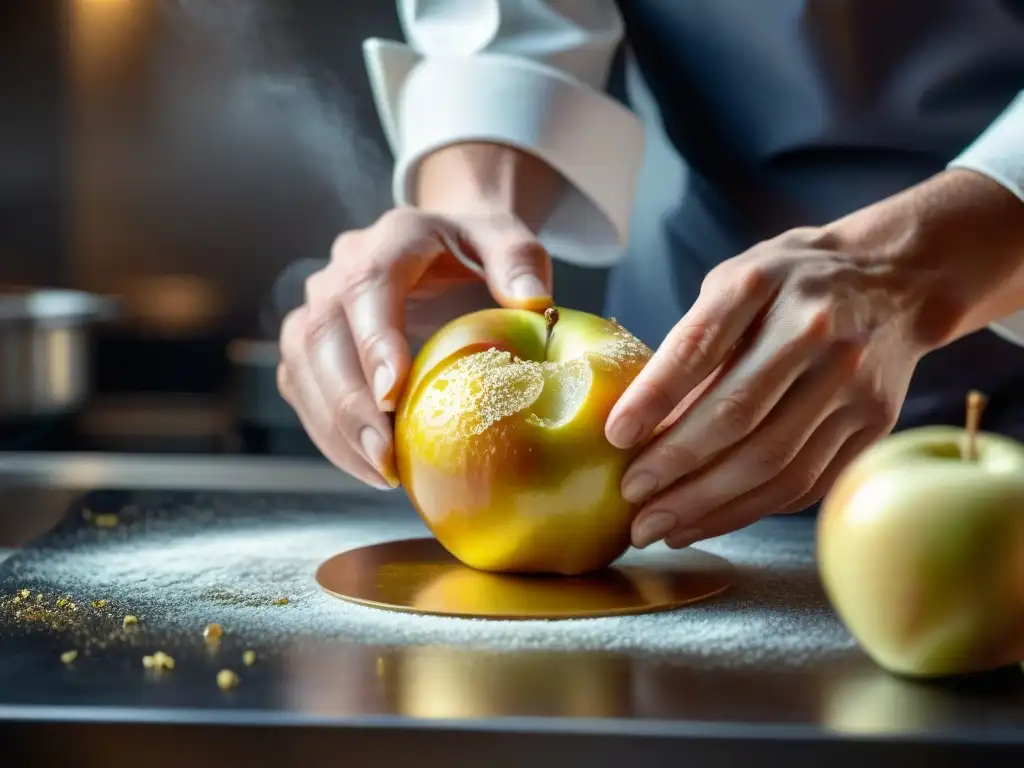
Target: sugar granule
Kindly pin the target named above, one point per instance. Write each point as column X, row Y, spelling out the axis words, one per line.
column 226, row 679
column 229, row 557
column 478, row 391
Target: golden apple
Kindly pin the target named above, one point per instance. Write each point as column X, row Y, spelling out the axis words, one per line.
column 478, row 593
column 499, row 439
column 921, row 551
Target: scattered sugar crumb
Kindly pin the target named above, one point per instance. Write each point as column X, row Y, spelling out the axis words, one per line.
column 159, row 661
column 226, row 679
column 255, row 548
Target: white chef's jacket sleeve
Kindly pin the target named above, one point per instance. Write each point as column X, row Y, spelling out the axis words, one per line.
column 525, row 73
column 999, row 154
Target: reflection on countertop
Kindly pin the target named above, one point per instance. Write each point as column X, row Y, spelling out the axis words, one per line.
column 36, row 488
column 446, row 704
column 85, row 471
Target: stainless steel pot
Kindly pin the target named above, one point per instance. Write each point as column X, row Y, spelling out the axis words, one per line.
column 45, row 360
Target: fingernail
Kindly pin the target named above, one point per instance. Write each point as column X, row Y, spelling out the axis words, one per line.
column 638, row 487
column 624, row 432
column 652, row 528
column 528, row 287
column 374, row 447
column 383, row 381
column 685, row 538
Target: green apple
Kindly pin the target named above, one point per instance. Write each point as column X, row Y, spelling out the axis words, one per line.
column 920, row 548
column 499, row 439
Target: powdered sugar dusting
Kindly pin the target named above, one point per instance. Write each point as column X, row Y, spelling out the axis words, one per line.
column 180, row 562
column 624, row 348
column 478, row 391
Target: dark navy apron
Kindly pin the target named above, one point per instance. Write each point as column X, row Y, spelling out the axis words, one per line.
column 764, row 115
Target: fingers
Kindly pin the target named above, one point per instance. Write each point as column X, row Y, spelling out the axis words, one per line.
column 852, row 448
column 321, row 378
column 374, row 309
column 795, row 482
column 765, row 453
column 516, row 266
column 345, row 355
column 728, row 413
column 371, row 274
column 694, row 348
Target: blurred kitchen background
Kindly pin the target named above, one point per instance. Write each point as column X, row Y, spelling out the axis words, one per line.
column 184, row 159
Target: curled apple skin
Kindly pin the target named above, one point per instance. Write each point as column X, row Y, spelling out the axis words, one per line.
column 500, row 445
column 921, row 552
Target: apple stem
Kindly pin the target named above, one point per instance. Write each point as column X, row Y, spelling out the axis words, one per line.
column 976, row 402
column 551, row 316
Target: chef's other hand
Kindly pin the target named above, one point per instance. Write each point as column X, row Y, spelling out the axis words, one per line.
column 798, row 354
column 344, row 351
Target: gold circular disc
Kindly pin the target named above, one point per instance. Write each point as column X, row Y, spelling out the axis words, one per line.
column 421, row 576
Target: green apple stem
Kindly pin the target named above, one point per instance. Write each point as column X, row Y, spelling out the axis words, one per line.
column 976, row 402
column 551, row 316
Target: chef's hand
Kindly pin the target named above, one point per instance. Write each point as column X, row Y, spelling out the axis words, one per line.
column 344, row 351
column 798, row 354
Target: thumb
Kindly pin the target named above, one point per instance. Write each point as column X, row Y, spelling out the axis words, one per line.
column 516, row 266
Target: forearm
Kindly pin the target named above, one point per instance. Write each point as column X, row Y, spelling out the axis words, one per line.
column 474, row 179
column 1001, row 254
column 960, row 235
column 460, row 93
column 477, row 177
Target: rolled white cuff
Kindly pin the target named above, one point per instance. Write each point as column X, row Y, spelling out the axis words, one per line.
column 426, row 103
column 999, row 154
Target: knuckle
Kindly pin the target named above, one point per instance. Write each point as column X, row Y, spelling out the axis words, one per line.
column 346, row 245
column 817, row 323
column 360, row 280
column 372, row 344
column 886, row 415
column 733, row 415
column 673, row 456
column 318, row 322
column 656, row 395
column 876, row 410
column 773, row 457
column 822, row 239
column 524, row 257
column 754, row 280
column 799, row 483
column 816, row 238
column 711, row 279
column 848, row 357
column 346, row 409
column 689, row 346
column 284, row 385
column 400, row 217
column 292, row 329
column 313, row 287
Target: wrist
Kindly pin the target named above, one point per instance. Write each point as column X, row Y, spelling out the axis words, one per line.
column 485, row 178
column 954, row 248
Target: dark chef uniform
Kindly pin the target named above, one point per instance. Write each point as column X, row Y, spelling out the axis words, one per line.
column 746, row 118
